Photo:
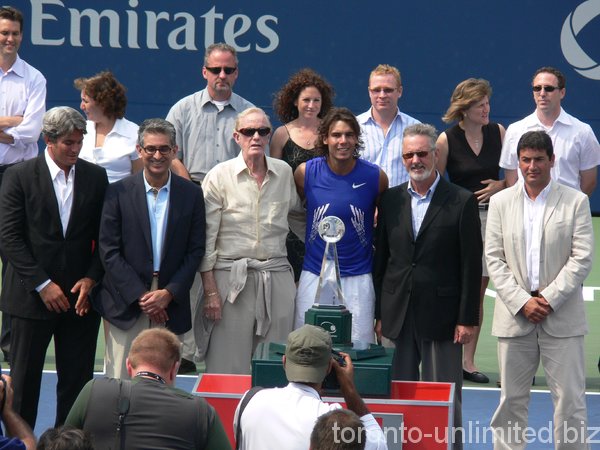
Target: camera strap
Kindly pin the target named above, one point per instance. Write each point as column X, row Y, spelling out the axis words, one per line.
column 243, row 404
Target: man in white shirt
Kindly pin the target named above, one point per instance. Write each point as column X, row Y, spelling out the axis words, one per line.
column 22, row 106
column 538, row 247
column 291, row 412
column 383, row 125
column 576, row 149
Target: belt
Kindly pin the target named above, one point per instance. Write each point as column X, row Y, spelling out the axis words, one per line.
column 199, row 183
column 535, row 293
column 483, row 206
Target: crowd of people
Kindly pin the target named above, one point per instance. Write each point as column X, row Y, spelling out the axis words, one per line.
column 201, row 229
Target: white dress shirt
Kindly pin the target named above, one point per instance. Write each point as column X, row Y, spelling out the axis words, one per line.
column 63, row 189
column 575, row 147
column 533, row 217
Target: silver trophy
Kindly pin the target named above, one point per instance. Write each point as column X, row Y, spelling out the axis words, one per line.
column 329, row 292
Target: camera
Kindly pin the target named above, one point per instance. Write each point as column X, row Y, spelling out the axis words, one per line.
column 331, row 382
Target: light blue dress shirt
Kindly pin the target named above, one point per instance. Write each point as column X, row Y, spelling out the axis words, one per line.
column 158, row 210
column 420, row 203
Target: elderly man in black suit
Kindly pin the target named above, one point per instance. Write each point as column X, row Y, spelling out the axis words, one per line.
column 152, row 238
column 48, row 232
column 427, row 268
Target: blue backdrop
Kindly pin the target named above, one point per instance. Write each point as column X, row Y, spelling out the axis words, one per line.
column 155, row 49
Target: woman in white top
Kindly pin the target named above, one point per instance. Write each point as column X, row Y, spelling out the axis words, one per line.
column 110, row 139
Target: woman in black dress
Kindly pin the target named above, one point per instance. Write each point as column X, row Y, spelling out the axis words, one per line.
column 300, row 105
column 470, row 152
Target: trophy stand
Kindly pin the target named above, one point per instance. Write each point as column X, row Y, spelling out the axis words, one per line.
column 329, row 311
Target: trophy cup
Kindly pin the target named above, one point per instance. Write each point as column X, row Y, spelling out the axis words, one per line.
column 329, row 311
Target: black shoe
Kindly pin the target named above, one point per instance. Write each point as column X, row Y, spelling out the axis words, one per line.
column 186, row 366
column 475, row 377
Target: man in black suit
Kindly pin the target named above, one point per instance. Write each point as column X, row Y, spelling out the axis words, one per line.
column 152, row 238
column 48, row 232
column 427, row 268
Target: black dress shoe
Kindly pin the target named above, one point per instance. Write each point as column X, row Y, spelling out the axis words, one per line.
column 186, row 366
column 475, row 377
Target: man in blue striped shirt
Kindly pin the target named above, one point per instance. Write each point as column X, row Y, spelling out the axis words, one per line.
column 383, row 124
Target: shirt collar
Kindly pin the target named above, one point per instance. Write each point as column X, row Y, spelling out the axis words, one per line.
column 533, row 120
column 304, row 388
column 369, row 117
column 167, row 185
column 119, row 128
column 53, row 168
column 542, row 196
column 18, row 67
column 239, row 165
column 429, row 192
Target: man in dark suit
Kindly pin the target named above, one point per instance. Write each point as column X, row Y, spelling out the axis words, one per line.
column 48, row 232
column 152, row 238
column 427, row 268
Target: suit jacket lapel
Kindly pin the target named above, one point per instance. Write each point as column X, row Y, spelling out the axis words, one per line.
column 554, row 196
column 140, row 207
column 406, row 214
column 46, row 189
column 79, row 195
column 174, row 213
column 518, row 243
column 439, row 198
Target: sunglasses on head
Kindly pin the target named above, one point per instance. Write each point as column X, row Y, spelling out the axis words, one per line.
column 249, row 132
column 411, row 155
column 545, row 88
column 217, row 70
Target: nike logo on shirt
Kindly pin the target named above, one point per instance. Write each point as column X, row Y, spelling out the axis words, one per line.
column 356, row 186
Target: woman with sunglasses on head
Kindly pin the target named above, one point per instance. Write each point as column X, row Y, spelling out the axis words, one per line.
column 300, row 104
column 470, row 152
column 110, row 139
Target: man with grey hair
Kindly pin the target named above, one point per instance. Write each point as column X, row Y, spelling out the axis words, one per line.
column 427, row 269
column 205, row 124
column 49, row 232
column 152, row 236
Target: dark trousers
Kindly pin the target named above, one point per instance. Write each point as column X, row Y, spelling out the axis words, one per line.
column 75, row 348
column 5, row 331
column 438, row 360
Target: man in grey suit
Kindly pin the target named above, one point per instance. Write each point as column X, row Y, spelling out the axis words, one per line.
column 539, row 243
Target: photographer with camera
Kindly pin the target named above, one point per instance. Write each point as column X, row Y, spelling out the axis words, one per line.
column 284, row 417
column 14, row 425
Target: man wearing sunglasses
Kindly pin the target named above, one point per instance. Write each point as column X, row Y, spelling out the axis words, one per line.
column 204, row 121
column 383, row 124
column 576, row 149
column 427, row 270
column 248, row 284
column 152, row 236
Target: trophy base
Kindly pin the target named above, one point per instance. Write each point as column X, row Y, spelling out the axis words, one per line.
column 335, row 319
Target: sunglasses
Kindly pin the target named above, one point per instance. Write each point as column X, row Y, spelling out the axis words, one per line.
column 249, row 132
column 217, row 70
column 151, row 149
column 545, row 88
column 411, row 155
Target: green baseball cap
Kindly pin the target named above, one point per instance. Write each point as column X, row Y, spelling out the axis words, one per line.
column 307, row 354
